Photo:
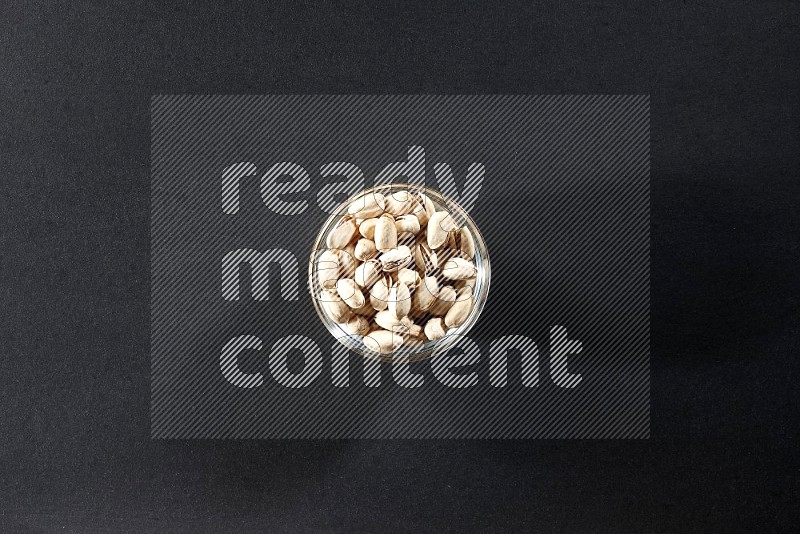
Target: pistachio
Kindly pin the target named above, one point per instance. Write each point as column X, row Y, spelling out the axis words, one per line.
column 400, row 300
column 407, row 224
column 387, row 320
column 357, row 325
column 435, row 329
column 458, row 313
column 347, row 262
column 447, row 295
column 334, row 306
column 379, row 292
column 463, row 243
column 396, row 258
column 350, row 293
column 409, row 277
column 328, row 268
column 399, row 203
column 383, row 341
column 385, row 233
column 343, row 234
column 459, row 269
column 424, row 258
column 411, row 328
column 365, row 249
column 426, row 293
column 367, row 228
column 369, row 205
column 367, row 273
column 439, row 227
column 423, row 208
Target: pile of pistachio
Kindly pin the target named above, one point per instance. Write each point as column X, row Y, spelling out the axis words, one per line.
column 397, row 272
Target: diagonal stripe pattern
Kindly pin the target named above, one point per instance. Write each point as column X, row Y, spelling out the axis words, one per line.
column 563, row 206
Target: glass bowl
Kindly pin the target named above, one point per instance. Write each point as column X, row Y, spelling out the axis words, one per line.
column 413, row 347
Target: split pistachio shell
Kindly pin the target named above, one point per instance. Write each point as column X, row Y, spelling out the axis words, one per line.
column 468, row 282
column 459, row 269
column 343, row 234
column 383, row 341
column 400, row 300
column 365, row 250
column 464, row 243
column 395, row 259
column 424, row 258
column 369, row 205
column 347, row 262
column 458, row 313
column 435, row 329
column 439, row 227
column 385, row 233
column 350, row 293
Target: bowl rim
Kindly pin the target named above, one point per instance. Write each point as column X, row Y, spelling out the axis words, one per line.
column 429, row 348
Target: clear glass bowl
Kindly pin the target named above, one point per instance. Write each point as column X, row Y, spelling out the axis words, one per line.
column 427, row 348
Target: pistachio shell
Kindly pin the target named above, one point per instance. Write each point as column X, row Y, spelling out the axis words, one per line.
column 424, row 258
column 350, row 293
column 425, row 294
column 357, row 325
column 367, row 228
column 366, row 206
column 458, row 313
column 387, row 320
column 409, row 277
column 466, row 245
column 459, row 269
column 423, row 208
column 385, row 233
column 342, row 234
column 383, row 341
column 367, row 273
column 407, row 224
column 328, row 269
column 399, row 203
column 365, row 249
column 439, row 227
column 379, row 293
column 400, row 300
column 435, row 329
column 334, row 306
column 395, row 259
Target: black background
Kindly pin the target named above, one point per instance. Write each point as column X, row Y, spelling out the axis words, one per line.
column 76, row 83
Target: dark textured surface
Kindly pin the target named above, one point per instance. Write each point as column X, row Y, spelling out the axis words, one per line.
column 76, row 81
column 563, row 209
